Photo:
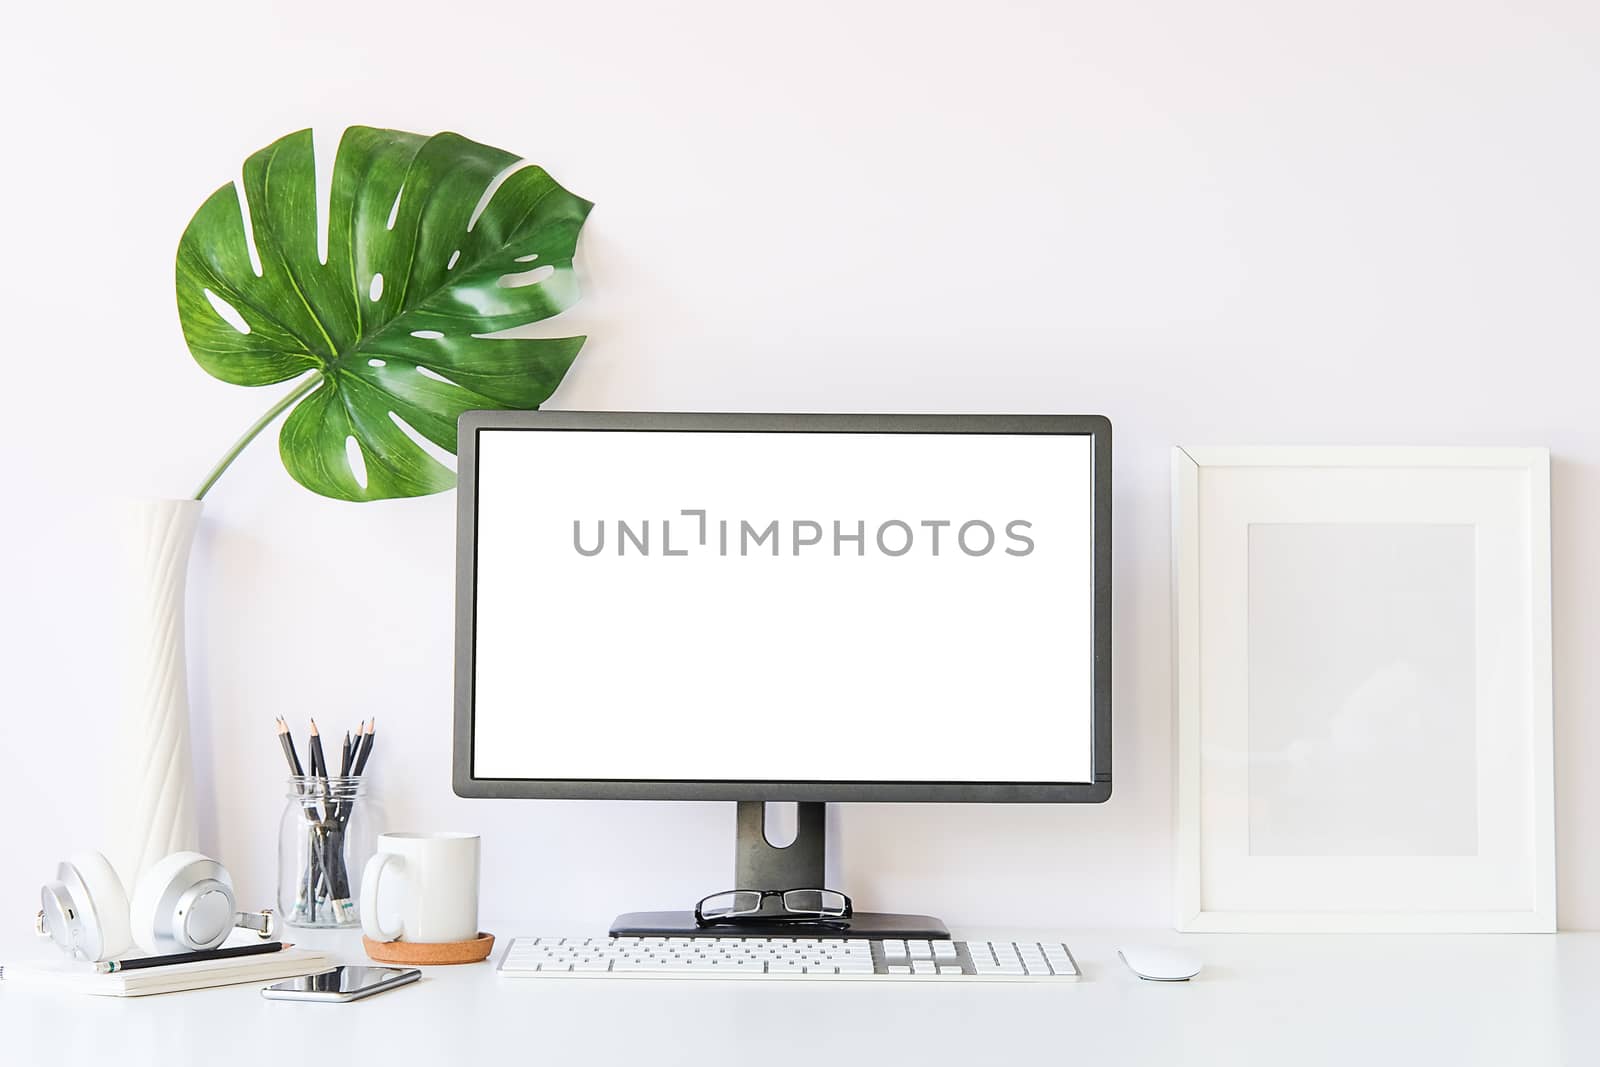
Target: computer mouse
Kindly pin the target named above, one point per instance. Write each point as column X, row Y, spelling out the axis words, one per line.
column 1156, row 964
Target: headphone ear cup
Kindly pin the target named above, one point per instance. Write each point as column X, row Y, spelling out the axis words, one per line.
column 110, row 902
column 183, row 903
column 86, row 908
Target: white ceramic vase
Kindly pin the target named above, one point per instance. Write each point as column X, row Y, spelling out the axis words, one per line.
column 153, row 783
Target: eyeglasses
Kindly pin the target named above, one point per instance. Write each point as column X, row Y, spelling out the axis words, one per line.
column 792, row 906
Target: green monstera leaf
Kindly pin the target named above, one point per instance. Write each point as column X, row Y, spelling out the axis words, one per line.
column 388, row 333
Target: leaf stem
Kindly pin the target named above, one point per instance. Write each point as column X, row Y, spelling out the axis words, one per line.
column 313, row 380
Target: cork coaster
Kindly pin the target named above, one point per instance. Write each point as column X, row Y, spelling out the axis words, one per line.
column 417, row 954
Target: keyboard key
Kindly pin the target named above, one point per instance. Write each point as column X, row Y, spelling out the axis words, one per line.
column 944, row 950
column 1060, row 960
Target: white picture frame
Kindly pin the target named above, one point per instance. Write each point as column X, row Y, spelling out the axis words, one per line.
column 1363, row 689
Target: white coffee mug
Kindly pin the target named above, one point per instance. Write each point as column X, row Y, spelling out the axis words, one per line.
column 430, row 880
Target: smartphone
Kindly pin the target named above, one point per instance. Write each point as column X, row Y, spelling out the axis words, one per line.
column 342, row 984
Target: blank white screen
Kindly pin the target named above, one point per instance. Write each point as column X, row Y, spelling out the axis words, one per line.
column 829, row 662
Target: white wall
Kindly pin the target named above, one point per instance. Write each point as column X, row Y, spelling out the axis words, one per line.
column 1241, row 221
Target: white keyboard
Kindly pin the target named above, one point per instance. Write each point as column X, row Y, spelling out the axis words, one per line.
column 787, row 957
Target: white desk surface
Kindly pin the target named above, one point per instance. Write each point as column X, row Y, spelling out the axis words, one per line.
column 1508, row 1000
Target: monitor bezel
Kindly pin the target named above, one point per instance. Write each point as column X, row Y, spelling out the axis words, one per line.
column 472, row 423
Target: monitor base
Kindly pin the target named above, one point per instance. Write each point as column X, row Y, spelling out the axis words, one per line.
column 871, row 924
column 759, row 864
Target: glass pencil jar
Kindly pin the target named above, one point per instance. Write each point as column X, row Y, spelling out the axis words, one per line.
column 328, row 831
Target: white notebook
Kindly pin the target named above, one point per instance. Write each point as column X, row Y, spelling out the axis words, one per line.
column 68, row 976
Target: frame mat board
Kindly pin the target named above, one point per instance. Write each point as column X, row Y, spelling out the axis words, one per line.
column 1207, row 662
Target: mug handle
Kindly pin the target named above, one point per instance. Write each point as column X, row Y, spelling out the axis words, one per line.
column 370, row 877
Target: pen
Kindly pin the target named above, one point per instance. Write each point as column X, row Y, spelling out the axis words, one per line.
column 189, row 957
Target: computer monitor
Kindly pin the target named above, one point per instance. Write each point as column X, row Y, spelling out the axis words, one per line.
column 802, row 608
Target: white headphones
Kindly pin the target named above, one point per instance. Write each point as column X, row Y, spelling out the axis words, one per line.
column 184, row 902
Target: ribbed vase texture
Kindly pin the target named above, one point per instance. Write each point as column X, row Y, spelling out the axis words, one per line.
column 154, row 777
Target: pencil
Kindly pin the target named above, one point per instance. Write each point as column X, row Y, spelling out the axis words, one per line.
column 288, row 749
column 319, row 769
column 366, row 745
column 344, row 756
column 319, row 763
column 189, row 957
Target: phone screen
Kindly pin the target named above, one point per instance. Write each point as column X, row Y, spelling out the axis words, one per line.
column 341, row 980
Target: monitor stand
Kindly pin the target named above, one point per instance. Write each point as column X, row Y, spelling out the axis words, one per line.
column 758, row 864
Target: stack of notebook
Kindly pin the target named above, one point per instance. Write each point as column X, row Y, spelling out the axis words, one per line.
column 68, row 976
